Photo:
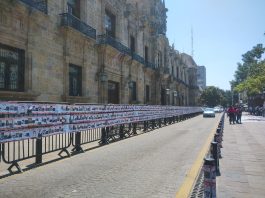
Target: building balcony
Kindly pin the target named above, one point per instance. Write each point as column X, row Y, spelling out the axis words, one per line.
column 106, row 39
column 138, row 58
column 40, row 5
column 181, row 81
column 69, row 20
column 150, row 65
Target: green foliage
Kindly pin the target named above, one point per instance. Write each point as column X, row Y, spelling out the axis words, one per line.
column 255, row 83
column 250, row 75
column 213, row 96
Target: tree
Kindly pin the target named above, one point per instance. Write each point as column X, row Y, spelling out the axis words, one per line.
column 248, row 68
column 211, row 96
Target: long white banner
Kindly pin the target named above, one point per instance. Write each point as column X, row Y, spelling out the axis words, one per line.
column 32, row 120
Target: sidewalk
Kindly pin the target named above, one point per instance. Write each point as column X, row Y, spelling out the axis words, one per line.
column 243, row 164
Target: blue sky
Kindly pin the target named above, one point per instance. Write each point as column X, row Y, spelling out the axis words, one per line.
column 223, row 30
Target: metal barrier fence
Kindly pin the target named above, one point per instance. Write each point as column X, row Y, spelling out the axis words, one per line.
column 13, row 152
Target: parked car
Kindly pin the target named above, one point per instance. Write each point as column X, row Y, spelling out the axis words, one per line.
column 216, row 109
column 208, row 112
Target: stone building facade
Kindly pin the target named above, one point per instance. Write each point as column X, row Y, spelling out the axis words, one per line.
column 92, row 51
column 201, row 77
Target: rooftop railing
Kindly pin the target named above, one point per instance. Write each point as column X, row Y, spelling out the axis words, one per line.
column 69, row 20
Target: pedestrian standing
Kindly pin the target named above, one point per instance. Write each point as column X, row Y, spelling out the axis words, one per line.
column 231, row 113
column 238, row 115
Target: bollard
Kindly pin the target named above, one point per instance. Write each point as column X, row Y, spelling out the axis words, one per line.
column 219, row 145
column 38, row 159
column 220, row 133
column 216, row 157
column 209, row 178
column 218, row 138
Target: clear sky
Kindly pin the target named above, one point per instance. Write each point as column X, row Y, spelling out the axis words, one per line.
column 223, row 30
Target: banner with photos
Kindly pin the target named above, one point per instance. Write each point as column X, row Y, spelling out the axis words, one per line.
column 32, row 120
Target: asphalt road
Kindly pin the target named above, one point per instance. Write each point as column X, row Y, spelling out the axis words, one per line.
column 149, row 165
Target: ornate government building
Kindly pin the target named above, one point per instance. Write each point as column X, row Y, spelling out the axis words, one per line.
column 92, row 51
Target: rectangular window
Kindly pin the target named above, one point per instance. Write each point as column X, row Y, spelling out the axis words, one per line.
column 75, row 80
column 110, row 23
column 133, row 91
column 74, row 7
column 132, row 43
column 12, row 63
column 113, row 92
column 147, row 93
column 146, row 53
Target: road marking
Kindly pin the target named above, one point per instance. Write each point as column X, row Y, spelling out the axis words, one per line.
column 186, row 187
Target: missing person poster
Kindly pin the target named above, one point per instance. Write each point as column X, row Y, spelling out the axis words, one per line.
column 20, row 121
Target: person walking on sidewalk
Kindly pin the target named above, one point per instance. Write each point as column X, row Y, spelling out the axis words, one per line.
column 231, row 113
column 238, row 115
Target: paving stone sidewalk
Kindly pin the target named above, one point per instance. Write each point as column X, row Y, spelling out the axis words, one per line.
column 243, row 164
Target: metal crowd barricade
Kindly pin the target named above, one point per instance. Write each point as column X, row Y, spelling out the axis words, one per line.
column 85, row 137
column 13, row 152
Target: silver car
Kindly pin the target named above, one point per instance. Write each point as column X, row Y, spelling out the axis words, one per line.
column 208, row 112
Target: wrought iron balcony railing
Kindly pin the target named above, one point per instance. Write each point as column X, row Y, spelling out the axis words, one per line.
column 71, row 21
column 150, row 65
column 138, row 58
column 40, row 5
column 181, row 81
column 106, row 39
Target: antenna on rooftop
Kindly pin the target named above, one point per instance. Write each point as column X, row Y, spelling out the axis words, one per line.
column 192, row 49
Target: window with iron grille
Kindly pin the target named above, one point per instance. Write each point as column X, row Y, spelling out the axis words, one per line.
column 12, row 65
column 147, row 93
column 110, row 24
column 74, row 7
column 75, row 80
column 133, row 91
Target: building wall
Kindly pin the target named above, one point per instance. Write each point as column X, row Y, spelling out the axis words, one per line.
column 51, row 47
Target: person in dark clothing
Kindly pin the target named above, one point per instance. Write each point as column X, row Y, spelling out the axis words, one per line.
column 231, row 113
column 238, row 115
